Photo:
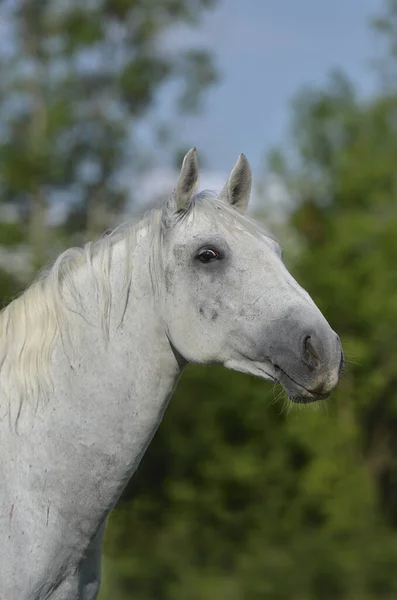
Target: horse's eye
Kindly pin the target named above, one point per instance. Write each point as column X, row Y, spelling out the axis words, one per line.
column 205, row 256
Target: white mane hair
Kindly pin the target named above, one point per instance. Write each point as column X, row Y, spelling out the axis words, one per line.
column 31, row 323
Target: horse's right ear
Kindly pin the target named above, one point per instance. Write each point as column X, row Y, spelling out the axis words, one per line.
column 238, row 187
column 187, row 181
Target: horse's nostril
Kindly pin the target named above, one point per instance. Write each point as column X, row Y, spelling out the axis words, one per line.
column 309, row 347
column 309, row 351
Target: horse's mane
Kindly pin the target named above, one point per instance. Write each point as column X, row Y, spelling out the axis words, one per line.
column 30, row 324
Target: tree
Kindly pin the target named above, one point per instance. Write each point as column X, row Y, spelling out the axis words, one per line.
column 76, row 79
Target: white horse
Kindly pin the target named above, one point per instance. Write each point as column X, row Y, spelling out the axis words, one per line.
column 90, row 355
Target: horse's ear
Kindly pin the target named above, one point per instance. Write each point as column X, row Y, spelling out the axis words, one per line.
column 187, row 181
column 238, row 187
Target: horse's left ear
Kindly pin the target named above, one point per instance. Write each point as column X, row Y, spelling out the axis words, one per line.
column 238, row 187
column 187, row 181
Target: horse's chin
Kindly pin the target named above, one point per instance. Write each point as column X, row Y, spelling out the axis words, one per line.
column 307, row 399
column 298, row 393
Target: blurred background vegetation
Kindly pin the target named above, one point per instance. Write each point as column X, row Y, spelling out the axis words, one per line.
column 239, row 496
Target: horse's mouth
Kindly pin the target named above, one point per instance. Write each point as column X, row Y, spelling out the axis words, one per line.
column 307, row 398
column 269, row 371
column 297, row 392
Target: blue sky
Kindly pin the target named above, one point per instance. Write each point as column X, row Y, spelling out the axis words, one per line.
column 265, row 51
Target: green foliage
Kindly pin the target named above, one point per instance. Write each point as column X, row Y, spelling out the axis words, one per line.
column 76, row 80
column 235, row 498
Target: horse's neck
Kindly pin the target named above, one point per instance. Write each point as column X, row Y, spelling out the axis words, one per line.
column 108, row 400
column 121, row 387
